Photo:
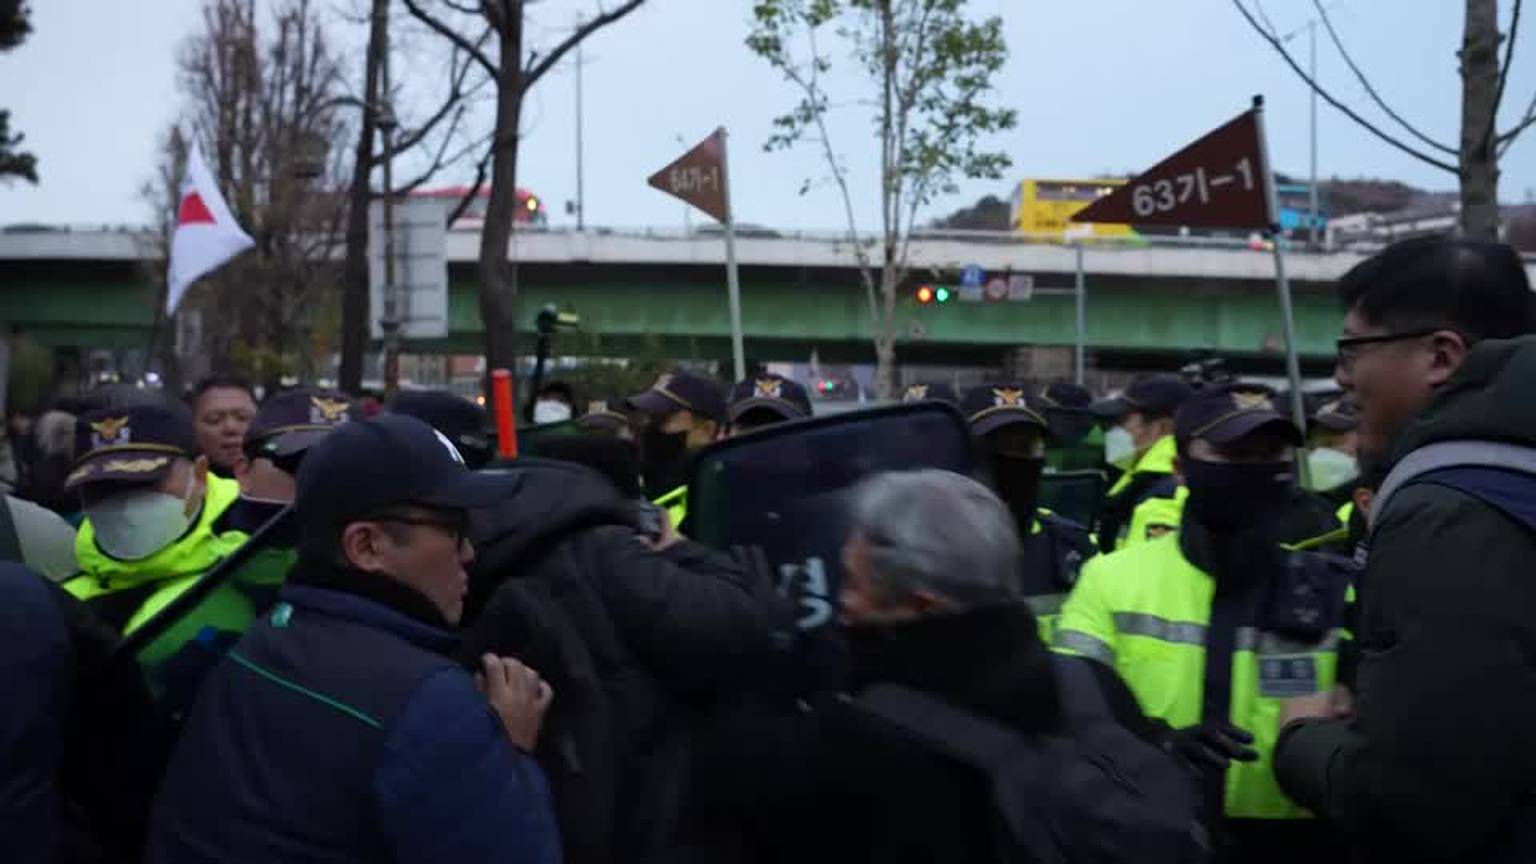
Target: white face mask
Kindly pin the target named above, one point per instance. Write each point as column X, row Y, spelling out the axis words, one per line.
column 135, row 525
column 1119, row 447
column 1328, row 469
column 550, row 411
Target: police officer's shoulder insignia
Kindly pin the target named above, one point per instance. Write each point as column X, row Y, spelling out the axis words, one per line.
column 916, row 393
column 327, row 411
column 110, row 431
column 768, row 388
column 1007, row 397
column 1252, row 401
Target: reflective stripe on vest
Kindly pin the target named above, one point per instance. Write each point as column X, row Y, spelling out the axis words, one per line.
column 1146, row 612
column 676, row 505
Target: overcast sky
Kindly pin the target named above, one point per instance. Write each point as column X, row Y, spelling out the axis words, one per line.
column 1100, row 86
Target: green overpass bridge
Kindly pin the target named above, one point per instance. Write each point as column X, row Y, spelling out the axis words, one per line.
column 664, row 294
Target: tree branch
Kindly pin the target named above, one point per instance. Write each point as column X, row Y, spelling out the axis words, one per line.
column 454, row 98
column 1381, row 103
column 474, row 188
column 441, row 160
column 1508, row 138
column 452, row 35
column 1509, row 56
column 1329, row 98
column 535, row 71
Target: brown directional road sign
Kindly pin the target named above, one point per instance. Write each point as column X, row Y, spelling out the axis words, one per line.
column 1216, row 182
column 697, row 177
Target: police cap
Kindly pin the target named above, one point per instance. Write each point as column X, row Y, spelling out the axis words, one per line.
column 1158, row 395
column 682, row 390
column 1227, row 413
column 993, row 406
column 785, row 398
column 291, row 422
column 134, row 443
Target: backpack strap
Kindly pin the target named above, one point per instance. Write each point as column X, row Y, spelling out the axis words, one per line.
column 1470, row 453
column 1512, row 492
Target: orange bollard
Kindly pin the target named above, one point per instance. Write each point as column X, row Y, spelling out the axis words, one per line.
column 501, row 404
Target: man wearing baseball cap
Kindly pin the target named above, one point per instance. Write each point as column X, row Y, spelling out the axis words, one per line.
column 152, row 510
column 684, row 413
column 463, row 422
column 340, row 727
column 604, row 420
column 1213, row 627
column 1011, row 433
column 1140, row 444
column 765, row 400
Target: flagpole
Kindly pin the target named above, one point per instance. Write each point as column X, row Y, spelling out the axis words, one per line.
column 1082, row 319
column 1283, row 288
column 733, row 283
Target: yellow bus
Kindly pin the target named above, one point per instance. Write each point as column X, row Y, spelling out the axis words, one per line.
column 1043, row 208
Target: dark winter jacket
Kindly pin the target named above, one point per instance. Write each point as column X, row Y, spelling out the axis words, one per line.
column 1439, row 763
column 35, row 675
column 339, row 729
column 637, row 642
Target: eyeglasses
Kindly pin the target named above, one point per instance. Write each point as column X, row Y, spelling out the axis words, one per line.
column 456, row 526
column 1348, row 348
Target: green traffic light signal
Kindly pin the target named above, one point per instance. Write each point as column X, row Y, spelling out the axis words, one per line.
column 942, row 295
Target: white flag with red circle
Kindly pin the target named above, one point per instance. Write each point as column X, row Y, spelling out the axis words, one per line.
column 206, row 232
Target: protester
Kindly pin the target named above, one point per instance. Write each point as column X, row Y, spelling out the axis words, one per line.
column 222, row 407
column 462, row 421
column 1141, row 446
column 1011, row 434
column 644, row 631
column 52, row 452
column 35, row 676
column 602, row 419
column 152, row 506
column 1436, row 763
column 340, row 728
column 937, row 615
column 764, row 400
column 685, row 412
column 1212, row 626
column 38, row 538
column 554, row 403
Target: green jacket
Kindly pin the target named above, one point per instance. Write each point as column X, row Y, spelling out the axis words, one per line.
column 1442, row 748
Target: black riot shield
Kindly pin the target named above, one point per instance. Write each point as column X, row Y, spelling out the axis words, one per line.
column 783, row 489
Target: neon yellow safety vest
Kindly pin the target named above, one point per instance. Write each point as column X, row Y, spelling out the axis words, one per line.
column 174, row 569
column 676, row 505
column 1145, row 611
column 1155, row 515
column 1158, row 459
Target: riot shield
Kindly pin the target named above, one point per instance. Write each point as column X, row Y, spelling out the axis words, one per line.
column 784, row 488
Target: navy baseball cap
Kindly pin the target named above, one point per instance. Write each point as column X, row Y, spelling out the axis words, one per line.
column 1066, row 405
column 132, row 444
column 931, row 391
column 775, row 393
column 682, row 390
column 993, row 406
column 363, row 468
column 601, row 415
column 464, row 423
column 291, row 422
column 1227, row 413
column 1338, row 415
column 1152, row 394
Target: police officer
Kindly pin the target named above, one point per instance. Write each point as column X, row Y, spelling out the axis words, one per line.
column 1011, row 435
column 1333, row 450
column 151, row 511
column 931, row 391
column 461, row 421
column 1213, row 627
column 1076, row 444
column 284, row 429
column 763, row 401
column 1145, row 501
column 685, row 412
column 605, row 420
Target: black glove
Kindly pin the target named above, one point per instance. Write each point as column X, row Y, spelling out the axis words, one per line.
column 1210, row 745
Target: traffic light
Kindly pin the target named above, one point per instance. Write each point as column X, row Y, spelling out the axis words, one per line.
column 925, row 295
column 941, row 294
column 930, row 294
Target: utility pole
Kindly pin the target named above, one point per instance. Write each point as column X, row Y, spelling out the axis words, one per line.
column 581, row 200
column 1312, row 190
column 390, row 323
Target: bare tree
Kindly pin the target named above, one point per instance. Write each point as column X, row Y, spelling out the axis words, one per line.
column 930, row 69
column 264, row 101
column 515, row 69
column 1475, row 158
column 443, row 123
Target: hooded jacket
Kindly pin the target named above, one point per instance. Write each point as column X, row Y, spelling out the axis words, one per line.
column 658, row 637
column 1439, row 762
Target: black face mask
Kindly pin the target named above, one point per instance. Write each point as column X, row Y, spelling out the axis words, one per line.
column 1018, row 484
column 663, row 460
column 1235, row 496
